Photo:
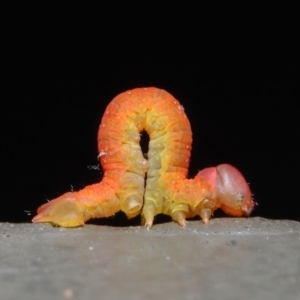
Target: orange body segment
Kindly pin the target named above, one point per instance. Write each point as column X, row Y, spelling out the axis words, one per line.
column 166, row 190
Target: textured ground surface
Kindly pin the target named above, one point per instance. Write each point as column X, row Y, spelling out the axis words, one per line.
column 230, row 258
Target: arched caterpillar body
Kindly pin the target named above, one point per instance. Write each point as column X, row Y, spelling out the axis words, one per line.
column 167, row 189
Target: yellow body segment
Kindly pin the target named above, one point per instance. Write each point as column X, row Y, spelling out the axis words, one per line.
column 123, row 187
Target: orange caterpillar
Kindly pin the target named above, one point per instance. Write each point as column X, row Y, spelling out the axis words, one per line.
column 167, row 189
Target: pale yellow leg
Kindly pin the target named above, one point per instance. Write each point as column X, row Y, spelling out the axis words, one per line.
column 179, row 217
column 132, row 205
column 178, row 212
column 205, row 210
column 148, row 215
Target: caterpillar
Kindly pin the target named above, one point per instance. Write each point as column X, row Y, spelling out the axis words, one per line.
column 159, row 184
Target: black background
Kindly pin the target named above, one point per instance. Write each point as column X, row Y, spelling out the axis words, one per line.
column 238, row 85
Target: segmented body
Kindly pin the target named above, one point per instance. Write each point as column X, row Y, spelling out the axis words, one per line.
column 167, row 190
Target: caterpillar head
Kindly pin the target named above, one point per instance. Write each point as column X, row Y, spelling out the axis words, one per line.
column 233, row 192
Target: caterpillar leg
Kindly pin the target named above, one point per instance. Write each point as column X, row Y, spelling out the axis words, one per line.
column 131, row 194
column 153, row 206
column 74, row 209
column 205, row 210
column 64, row 211
column 132, row 205
column 178, row 216
column 178, row 212
column 148, row 215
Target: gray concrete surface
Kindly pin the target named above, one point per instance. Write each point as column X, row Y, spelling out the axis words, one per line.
column 230, row 258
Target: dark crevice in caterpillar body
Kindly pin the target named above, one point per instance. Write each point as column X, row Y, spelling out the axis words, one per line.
column 144, row 143
column 167, row 190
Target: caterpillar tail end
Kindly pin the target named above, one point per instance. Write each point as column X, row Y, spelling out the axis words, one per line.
column 63, row 211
